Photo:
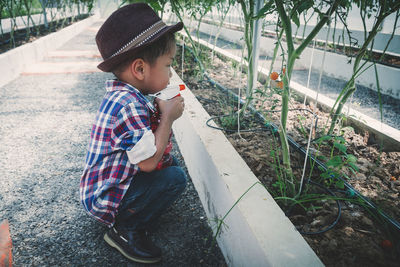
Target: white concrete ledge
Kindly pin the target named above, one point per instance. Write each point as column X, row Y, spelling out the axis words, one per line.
column 381, row 133
column 256, row 232
column 336, row 65
column 15, row 61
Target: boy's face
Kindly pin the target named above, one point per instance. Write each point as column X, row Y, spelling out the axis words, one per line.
column 159, row 73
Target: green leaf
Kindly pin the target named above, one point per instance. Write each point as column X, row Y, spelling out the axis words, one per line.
column 342, row 148
column 322, row 157
column 320, row 14
column 346, row 3
column 324, row 138
column 353, row 167
column 334, row 162
column 325, row 175
column 302, row 118
column 295, row 19
column 278, row 184
column 305, row 5
column 266, row 9
column 340, row 139
column 340, row 184
column 351, row 158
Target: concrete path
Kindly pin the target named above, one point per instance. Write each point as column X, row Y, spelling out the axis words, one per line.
column 45, row 120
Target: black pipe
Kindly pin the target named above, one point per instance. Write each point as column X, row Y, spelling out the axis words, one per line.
column 301, row 149
column 334, row 223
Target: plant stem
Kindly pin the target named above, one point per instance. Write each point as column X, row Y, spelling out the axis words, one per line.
column 221, row 221
column 292, row 56
column 176, row 11
column 274, row 56
column 350, row 88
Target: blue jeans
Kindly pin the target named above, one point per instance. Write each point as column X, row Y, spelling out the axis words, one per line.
column 149, row 194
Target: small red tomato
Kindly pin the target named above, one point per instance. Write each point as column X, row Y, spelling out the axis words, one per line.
column 393, row 178
column 386, row 244
column 280, row 84
column 274, row 75
column 283, row 70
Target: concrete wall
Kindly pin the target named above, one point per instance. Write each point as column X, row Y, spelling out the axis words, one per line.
column 335, row 65
column 256, row 232
column 381, row 133
column 354, row 22
column 21, row 22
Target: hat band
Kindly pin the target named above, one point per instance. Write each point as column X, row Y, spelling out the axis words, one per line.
column 142, row 37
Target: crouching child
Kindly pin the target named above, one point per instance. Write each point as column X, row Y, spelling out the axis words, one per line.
column 130, row 177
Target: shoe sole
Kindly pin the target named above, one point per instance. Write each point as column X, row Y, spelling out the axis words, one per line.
column 113, row 244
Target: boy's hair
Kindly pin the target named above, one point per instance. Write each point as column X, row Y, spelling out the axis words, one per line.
column 149, row 53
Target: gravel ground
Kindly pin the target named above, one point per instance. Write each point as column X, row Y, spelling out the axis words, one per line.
column 45, row 123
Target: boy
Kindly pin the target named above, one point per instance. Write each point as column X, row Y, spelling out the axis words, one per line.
column 129, row 177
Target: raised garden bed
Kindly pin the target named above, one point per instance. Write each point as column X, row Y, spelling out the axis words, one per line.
column 391, row 59
column 338, row 66
column 16, row 60
column 28, row 35
column 250, row 228
column 359, row 237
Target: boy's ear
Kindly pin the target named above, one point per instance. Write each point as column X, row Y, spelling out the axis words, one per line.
column 137, row 68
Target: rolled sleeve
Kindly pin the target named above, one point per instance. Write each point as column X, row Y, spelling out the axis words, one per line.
column 132, row 133
column 144, row 148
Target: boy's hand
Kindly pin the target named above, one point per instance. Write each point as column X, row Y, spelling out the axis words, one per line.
column 170, row 111
column 173, row 108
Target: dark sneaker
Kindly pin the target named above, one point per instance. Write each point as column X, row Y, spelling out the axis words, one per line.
column 134, row 245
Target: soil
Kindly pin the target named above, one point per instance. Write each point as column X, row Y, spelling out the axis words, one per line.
column 358, row 237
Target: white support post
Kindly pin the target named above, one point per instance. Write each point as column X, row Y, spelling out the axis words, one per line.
column 44, row 4
column 256, row 42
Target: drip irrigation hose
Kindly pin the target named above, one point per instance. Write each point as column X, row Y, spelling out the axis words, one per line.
column 219, row 86
column 334, row 223
column 349, row 187
column 320, row 164
column 309, row 181
column 322, row 136
column 261, row 129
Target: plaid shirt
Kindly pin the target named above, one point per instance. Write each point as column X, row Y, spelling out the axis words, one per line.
column 125, row 115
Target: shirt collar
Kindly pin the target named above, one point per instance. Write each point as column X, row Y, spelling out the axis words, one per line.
column 116, row 85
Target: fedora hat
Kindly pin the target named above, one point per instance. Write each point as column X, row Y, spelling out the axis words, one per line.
column 127, row 30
